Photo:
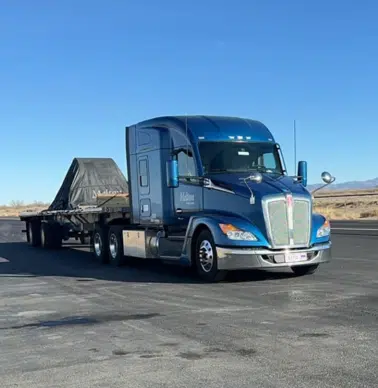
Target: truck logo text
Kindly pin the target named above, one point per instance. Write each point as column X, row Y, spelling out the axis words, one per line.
column 187, row 198
column 109, row 192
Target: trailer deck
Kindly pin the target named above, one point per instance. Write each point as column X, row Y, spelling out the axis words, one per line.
column 93, row 191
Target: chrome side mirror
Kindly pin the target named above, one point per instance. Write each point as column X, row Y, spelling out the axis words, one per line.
column 327, row 178
column 255, row 177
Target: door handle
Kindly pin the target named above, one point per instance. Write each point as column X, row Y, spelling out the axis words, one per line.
column 179, row 210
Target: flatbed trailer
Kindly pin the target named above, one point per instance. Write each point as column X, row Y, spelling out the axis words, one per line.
column 93, row 194
column 207, row 192
column 79, row 222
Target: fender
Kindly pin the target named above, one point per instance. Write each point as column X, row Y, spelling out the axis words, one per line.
column 212, row 221
column 317, row 221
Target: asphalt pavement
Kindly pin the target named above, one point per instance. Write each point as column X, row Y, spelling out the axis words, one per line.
column 66, row 321
column 366, row 227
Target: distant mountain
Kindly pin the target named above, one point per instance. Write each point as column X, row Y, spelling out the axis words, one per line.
column 352, row 185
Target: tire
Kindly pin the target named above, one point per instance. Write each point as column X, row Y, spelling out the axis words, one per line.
column 100, row 244
column 34, row 233
column 28, row 240
column 50, row 235
column 302, row 270
column 206, row 260
column 115, row 246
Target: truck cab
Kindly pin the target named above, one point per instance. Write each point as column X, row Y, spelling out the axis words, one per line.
column 213, row 192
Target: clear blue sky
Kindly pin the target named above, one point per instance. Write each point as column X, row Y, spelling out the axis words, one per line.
column 74, row 73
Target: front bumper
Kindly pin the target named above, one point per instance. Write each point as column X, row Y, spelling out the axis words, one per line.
column 255, row 258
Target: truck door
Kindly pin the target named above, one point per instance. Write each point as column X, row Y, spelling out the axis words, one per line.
column 188, row 197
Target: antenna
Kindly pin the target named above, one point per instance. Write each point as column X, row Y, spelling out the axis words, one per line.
column 187, row 143
column 295, row 147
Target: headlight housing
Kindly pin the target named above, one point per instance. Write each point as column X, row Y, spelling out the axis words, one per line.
column 324, row 230
column 234, row 233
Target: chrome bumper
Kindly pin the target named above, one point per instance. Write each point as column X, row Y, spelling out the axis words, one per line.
column 254, row 258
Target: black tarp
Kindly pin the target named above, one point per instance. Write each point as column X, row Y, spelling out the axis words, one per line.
column 86, row 178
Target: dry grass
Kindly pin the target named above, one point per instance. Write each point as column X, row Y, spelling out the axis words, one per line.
column 17, row 207
column 344, row 207
column 336, row 208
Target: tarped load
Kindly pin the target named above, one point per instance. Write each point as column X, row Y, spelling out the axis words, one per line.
column 85, row 179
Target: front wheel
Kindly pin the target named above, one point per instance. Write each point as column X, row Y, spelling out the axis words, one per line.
column 302, row 270
column 206, row 259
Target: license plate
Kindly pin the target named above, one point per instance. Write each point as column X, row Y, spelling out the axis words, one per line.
column 295, row 257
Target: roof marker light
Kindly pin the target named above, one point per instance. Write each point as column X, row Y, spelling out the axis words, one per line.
column 248, row 137
column 240, row 137
column 201, row 137
column 232, row 137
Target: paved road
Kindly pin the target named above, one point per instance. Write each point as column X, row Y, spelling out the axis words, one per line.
column 367, row 227
column 66, row 321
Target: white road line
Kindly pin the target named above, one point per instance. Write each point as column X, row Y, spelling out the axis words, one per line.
column 361, row 229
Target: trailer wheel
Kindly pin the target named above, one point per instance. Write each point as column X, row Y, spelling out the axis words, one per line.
column 34, row 233
column 100, row 244
column 51, row 236
column 116, row 256
column 206, row 259
column 302, row 270
column 28, row 232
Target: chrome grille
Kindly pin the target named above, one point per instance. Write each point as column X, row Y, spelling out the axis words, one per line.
column 301, row 224
column 278, row 222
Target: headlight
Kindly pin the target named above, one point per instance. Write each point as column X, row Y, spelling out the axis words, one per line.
column 233, row 233
column 324, row 230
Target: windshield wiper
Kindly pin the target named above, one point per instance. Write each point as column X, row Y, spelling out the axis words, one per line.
column 254, row 168
column 266, row 169
column 259, row 167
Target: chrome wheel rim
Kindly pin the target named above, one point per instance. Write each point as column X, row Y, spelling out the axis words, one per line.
column 113, row 246
column 206, row 256
column 97, row 244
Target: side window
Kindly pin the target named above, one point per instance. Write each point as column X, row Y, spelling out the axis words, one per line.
column 269, row 160
column 178, row 138
column 186, row 165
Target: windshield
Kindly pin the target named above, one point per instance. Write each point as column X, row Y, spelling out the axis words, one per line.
column 224, row 156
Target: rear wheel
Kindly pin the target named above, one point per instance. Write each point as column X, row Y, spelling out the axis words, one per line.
column 206, row 259
column 50, row 235
column 34, row 233
column 28, row 232
column 116, row 256
column 100, row 244
column 302, row 270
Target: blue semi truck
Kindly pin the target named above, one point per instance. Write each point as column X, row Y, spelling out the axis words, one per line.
column 208, row 192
